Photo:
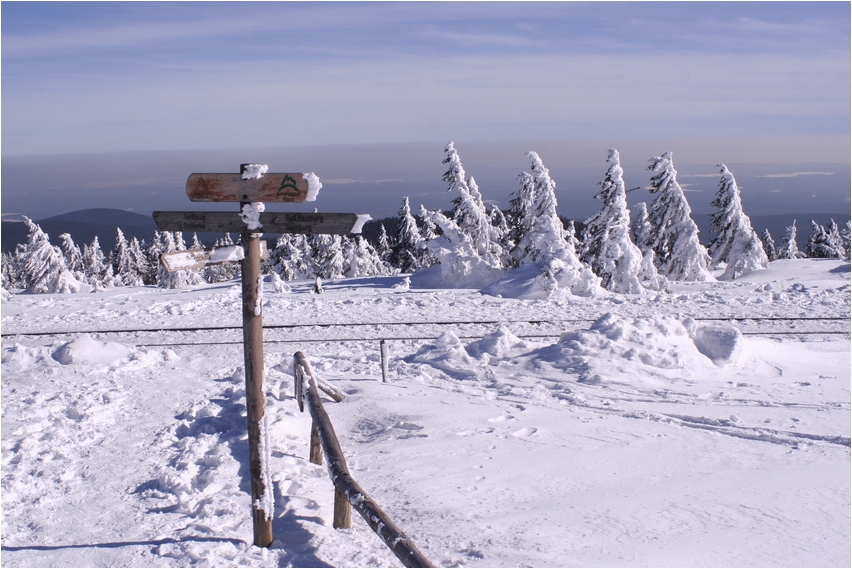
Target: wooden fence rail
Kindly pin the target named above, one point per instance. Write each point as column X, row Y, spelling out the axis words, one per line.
column 347, row 491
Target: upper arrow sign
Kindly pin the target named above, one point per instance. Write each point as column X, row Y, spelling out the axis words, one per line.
column 290, row 188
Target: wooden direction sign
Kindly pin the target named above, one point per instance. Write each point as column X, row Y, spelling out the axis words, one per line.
column 290, row 188
column 271, row 222
column 198, row 258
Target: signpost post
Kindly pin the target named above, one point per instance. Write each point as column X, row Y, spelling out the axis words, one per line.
column 249, row 190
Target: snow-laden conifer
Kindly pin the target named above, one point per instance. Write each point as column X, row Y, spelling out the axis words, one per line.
column 822, row 245
column 123, row 266
column 469, row 212
column 362, row 260
column 736, row 244
column 43, row 264
column 547, row 262
column 73, row 256
column 789, row 248
column 836, row 240
column 407, row 252
column 674, row 235
column 290, row 259
column 640, row 233
column 384, row 248
column 459, row 264
column 328, row 259
column 606, row 243
column 768, row 245
column 94, row 264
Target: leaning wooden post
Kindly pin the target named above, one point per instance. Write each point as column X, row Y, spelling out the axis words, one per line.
column 342, row 510
column 255, row 398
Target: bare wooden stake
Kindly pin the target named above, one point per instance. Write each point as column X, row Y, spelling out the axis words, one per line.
column 384, row 349
column 342, row 510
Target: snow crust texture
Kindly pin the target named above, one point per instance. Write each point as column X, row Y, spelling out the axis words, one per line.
column 585, row 431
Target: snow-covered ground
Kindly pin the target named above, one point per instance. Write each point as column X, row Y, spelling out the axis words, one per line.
column 619, row 443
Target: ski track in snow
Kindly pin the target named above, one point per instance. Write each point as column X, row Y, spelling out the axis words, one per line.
column 619, row 445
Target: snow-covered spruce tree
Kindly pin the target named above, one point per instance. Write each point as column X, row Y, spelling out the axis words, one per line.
column 362, row 259
column 43, row 264
column 328, row 259
column 407, row 252
column 8, row 274
column 291, row 258
column 502, row 233
column 640, row 233
column 139, row 261
column 736, row 244
column 521, row 215
column 674, row 235
column 836, row 240
column 547, row 262
column 384, row 248
column 789, row 248
column 459, row 264
column 606, row 243
column 768, row 245
column 73, row 257
column 821, row 245
column 469, row 212
column 123, row 265
column 94, row 263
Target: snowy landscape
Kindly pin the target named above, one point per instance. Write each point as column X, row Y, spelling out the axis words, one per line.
column 620, row 396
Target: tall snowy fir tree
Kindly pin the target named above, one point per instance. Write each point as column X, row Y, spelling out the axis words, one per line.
column 768, row 245
column 789, row 249
column 73, row 256
column 362, row 260
column 836, row 239
column 736, row 244
column 521, row 216
column 546, row 260
column 606, row 243
column 408, row 250
column 469, row 212
column 94, row 263
column 674, row 235
column 43, row 264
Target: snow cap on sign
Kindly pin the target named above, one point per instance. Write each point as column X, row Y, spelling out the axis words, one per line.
column 254, row 171
column 314, row 186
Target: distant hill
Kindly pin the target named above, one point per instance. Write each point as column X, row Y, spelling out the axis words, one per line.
column 84, row 225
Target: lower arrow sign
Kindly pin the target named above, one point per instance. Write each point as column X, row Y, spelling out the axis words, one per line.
column 198, row 258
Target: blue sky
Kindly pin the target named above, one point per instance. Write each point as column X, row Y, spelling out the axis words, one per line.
column 745, row 82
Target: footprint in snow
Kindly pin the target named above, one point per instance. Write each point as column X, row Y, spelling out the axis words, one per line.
column 525, row 432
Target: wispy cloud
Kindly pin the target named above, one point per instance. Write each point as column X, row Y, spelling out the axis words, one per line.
column 796, row 174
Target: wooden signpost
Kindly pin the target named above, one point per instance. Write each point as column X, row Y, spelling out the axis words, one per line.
column 248, row 190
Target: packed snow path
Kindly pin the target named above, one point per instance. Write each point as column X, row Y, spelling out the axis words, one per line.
column 620, row 444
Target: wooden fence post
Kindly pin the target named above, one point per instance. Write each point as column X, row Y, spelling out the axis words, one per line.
column 342, row 510
column 316, row 447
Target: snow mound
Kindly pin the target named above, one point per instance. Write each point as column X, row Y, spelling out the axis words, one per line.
column 499, row 344
column 447, row 354
column 539, row 281
column 88, row 351
column 633, row 347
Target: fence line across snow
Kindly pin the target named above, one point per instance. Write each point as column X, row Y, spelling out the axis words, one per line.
column 348, row 493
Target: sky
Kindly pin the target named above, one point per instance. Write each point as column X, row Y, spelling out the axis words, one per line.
column 137, row 95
